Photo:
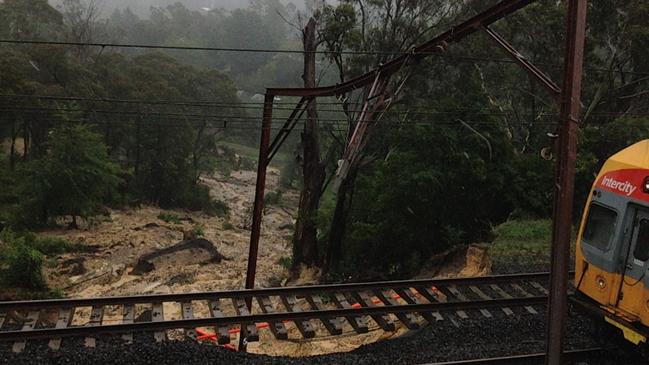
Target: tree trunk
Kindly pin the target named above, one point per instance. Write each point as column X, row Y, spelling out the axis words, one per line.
column 338, row 224
column 305, row 242
column 12, row 152
column 25, row 141
column 138, row 136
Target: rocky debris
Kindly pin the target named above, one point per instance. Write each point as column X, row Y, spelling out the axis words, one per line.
column 196, row 251
column 147, row 226
column 74, row 266
column 460, row 261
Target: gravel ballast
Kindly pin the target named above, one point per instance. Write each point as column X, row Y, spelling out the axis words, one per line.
column 448, row 340
column 475, row 338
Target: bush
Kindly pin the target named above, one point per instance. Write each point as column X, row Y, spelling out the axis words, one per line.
column 198, row 231
column 273, row 198
column 526, row 230
column 20, row 265
column 217, row 208
column 24, row 268
column 50, row 246
column 414, row 203
column 169, row 217
column 285, row 262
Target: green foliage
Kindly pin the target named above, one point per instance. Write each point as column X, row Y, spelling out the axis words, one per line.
column 20, row 264
column 228, row 226
column 71, row 179
column 427, row 203
column 198, row 230
column 285, row 262
column 169, row 217
column 273, row 197
column 516, row 231
column 51, row 246
column 218, row 208
column 523, row 245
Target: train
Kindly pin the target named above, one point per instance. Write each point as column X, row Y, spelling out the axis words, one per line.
column 612, row 245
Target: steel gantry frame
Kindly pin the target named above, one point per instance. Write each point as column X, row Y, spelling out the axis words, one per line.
column 374, row 85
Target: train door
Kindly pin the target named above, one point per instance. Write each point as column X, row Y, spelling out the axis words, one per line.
column 630, row 296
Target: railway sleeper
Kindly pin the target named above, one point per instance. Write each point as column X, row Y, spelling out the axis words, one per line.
column 250, row 329
column 278, row 328
column 65, row 317
column 222, row 332
column 358, row 323
column 333, row 325
column 304, row 326
column 383, row 320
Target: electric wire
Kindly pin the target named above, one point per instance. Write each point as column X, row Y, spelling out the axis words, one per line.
column 281, row 51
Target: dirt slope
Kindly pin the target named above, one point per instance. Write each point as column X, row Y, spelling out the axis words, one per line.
column 123, row 236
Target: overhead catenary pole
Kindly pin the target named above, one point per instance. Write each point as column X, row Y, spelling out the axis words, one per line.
column 258, row 209
column 565, row 179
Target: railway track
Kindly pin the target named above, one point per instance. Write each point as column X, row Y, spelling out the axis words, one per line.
column 215, row 315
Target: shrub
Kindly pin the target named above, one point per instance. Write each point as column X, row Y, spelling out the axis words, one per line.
column 285, row 262
column 169, row 217
column 273, row 198
column 20, row 265
column 198, row 231
column 526, row 230
column 55, row 245
column 217, row 208
column 24, row 268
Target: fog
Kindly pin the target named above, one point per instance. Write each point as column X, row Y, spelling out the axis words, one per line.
column 141, row 7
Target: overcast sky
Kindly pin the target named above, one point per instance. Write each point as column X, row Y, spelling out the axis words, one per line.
column 141, row 7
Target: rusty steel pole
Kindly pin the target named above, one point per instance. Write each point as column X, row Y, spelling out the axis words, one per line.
column 565, row 180
column 258, row 209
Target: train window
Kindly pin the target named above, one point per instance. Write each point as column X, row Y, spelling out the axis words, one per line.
column 600, row 226
column 641, row 251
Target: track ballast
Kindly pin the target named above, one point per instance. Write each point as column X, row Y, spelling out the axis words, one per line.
column 412, row 302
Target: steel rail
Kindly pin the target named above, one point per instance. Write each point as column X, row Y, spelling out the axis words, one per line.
column 247, row 293
column 518, row 359
column 40, row 333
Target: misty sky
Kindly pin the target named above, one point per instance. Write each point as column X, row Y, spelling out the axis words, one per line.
column 141, row 7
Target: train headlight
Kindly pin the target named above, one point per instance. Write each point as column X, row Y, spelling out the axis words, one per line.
column 645, row 185
column 601, row 283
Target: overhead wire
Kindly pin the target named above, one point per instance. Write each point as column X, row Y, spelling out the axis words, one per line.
column 282, row 51
column 450, row 111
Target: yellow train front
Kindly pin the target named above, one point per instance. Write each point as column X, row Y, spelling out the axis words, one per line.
column 612, row 253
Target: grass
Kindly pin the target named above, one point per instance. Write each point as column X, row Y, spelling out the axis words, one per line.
column 523, row 243
column 51, row 246
column 198, row 230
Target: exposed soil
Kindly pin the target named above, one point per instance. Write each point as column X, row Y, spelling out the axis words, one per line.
column 123, row 237
column 458, row 262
